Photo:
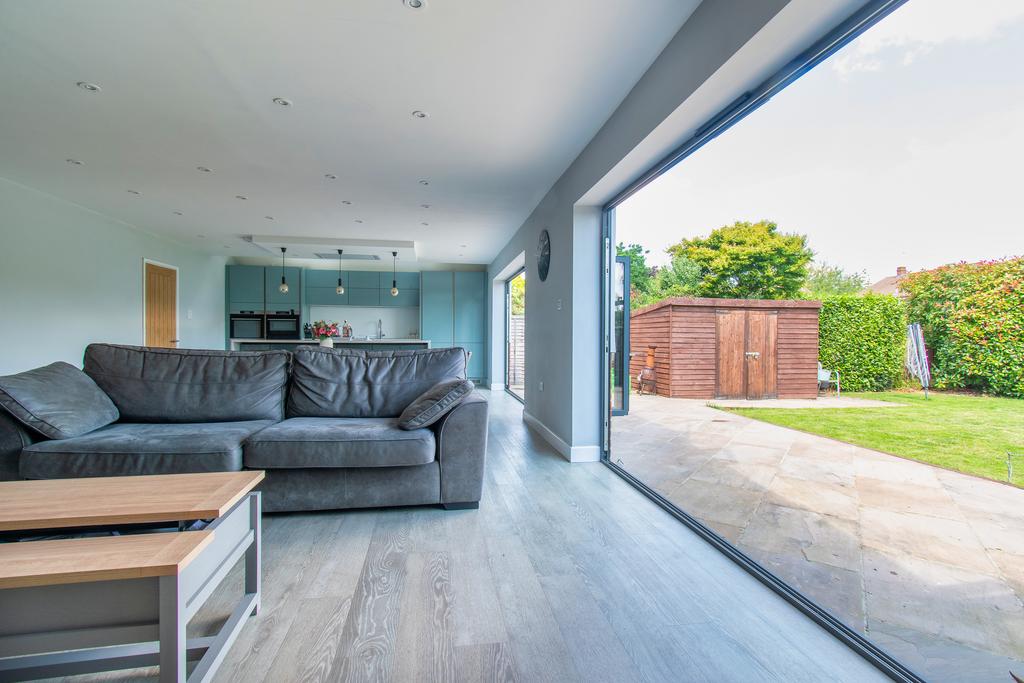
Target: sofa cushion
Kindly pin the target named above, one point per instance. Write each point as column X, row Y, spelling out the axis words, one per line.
column 302, row 442
column 181, row 385
column 59, row 401
column 353, row 383
column 434, row 403
column 127, row 448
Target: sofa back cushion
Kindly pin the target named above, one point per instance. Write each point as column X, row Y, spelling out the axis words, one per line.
column 182, row 385
column 59, row 401
column 351, row 383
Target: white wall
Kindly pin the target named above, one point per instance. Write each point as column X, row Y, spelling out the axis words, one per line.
column 398, row 323
column 70, row 276
column 724, row 49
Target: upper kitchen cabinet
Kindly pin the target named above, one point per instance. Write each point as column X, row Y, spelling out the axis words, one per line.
column 404, row 280
column 408, row 289
column 321, row 288
column 362, row 279
column 245, row 288
column 277, row 301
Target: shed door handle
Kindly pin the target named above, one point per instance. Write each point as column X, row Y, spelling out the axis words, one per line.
column 753, row 354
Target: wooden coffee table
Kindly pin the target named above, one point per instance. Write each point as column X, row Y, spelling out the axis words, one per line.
column 102, row 602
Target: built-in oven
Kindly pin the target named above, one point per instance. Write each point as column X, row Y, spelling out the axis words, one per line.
column 247, row 325
column 283, row 325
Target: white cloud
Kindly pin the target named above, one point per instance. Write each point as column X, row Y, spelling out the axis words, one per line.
column 921, row 25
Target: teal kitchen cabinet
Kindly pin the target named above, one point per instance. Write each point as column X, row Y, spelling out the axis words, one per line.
column 470, row 306
column 245, row 288
column 362, row 279
column 475, row 367
column 276, row 301
column 404, row 280
column 437, row 308
column 326, row 296
column 406, row 297
column 360, row 296
column 321, row 278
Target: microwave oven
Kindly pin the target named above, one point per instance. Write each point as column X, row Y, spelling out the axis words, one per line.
column 246, row 325
column 282, row 326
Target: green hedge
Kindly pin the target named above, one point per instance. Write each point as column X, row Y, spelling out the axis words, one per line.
column 864, row 338
column 972, row 315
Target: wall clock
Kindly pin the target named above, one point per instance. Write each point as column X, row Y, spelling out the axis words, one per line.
column 543, row 255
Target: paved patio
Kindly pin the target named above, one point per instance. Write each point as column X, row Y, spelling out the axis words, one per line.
column 927, row 563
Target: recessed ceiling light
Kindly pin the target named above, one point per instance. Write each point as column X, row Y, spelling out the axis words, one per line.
column 178, row 213
column 133, row 192
column 463, row 246
column 202, row 237
column 424, row 182
column 415, row 4
column 330, row 176
column 358, row 221
column 420, row 114
column 74, row 162
column 424, row 223
column 226, row 246
column 346, row 202
column 241, row 196
column 269, row 218
column 282, row 101
column 86, row 85
column 424, row 206
column 204, row 169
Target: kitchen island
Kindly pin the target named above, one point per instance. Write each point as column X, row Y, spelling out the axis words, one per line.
column 353, row 343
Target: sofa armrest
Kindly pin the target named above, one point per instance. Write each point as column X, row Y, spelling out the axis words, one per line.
column 461, row 450
column 13, row 437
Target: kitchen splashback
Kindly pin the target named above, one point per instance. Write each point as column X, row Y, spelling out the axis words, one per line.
column 398, row 323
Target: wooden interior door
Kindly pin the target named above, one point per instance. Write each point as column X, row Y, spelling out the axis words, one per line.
column 761, row 361
column 161, row 306
column 730, row 331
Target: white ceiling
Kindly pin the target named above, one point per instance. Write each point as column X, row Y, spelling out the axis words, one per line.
column 514, row 90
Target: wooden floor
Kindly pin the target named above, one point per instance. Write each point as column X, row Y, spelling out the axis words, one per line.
column 565, row 573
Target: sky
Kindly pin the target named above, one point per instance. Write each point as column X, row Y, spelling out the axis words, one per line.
column 906, row 148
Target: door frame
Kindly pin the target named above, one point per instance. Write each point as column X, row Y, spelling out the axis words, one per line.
column 831, row 42
column 508, row 329
column 177, row 295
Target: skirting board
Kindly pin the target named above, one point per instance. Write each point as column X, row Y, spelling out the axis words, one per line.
column 570, row 453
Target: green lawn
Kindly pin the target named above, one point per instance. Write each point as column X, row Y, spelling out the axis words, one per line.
column 966, row 433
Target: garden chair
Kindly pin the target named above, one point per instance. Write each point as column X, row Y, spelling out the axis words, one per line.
column 828, row 378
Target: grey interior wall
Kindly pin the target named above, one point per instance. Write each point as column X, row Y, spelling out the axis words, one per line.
column 70, row 276
column 726, row 47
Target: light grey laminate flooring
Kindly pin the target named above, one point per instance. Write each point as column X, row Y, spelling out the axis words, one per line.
column 565, row 573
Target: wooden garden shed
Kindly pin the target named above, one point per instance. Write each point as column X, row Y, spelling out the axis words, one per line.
column 728, row 348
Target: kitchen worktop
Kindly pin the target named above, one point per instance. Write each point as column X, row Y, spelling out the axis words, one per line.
column 236, row 344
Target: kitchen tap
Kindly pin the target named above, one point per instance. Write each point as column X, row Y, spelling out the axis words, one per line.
column 380, row 328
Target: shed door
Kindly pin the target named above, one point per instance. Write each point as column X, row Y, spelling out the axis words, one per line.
column 730, row 334
column 762, row 333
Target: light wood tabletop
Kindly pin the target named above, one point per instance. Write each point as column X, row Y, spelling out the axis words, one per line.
column 103, row 558
column 65, row 503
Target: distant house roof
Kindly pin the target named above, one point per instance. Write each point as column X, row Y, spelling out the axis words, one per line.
column 889, row 285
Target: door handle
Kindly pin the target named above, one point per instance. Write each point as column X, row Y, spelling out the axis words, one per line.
column 752, row 354
column 175, row 341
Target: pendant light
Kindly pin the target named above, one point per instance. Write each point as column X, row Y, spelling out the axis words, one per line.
column 284, row 284
column 394, row 273
column 340, row 289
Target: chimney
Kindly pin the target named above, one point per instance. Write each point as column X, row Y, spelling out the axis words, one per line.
column 901, row 271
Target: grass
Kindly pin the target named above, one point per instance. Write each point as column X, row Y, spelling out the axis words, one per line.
column 961, row 432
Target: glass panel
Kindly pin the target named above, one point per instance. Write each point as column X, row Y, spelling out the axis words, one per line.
column 619, row 338
column 515, row 335
column 774, row 273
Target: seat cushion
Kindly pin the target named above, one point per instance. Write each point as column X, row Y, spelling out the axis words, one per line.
column 59, row 401
column 355, row 383
column 189, row 385
column 128, row 448
column 302, row 442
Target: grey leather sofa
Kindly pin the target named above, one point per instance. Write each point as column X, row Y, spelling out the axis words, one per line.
column 321, row 422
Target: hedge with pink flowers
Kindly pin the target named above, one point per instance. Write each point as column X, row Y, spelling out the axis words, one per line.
column 973, row 320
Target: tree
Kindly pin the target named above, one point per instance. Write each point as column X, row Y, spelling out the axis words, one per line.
column 748, row 261
column 640, row 274
column 517, row 295
column 825, row 281
column 679, row 278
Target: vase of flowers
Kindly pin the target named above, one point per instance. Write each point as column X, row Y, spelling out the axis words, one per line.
column 325, row 332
